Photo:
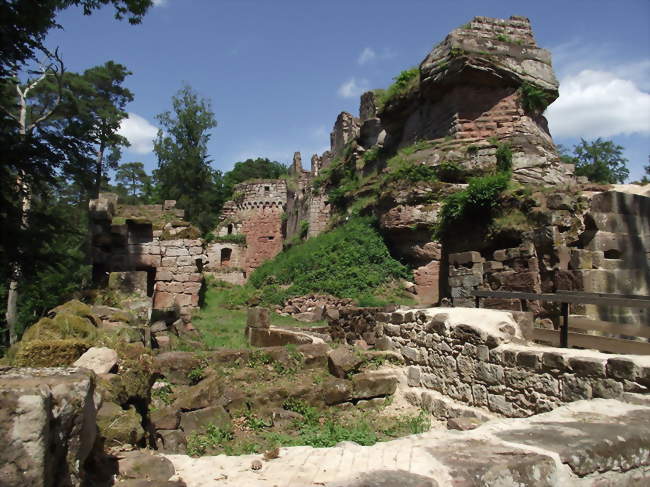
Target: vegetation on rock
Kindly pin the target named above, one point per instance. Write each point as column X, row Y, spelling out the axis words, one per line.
column 345, row 262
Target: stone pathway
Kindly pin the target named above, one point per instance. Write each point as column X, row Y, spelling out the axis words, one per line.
column 501, row 452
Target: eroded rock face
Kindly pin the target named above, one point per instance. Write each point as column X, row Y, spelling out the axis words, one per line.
column 487, row 79
column 47, row 425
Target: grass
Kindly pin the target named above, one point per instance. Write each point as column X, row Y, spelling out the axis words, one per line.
column 316, row 428
column 348, row 261
column 403, row 84
column 222, row 318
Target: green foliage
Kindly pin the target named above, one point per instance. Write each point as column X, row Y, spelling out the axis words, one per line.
column 132, row 179
column 450, row 172
column 413, row 425
column 196, row 375
column 371, row 154
column 504, row 157
column 475, row 202
column 601, row 161
column 304, row 229
column 402, row 85
column 533, row 99
column 456, row 52
column 235, row 238
column 345, row 262
column 260, row 168
column 199, row 443
column 184, row 172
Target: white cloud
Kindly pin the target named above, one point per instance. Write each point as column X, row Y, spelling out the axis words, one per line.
column 353, row 87
column 595, row 103
column 159, row 3
column 367, row 55
column 139, row 132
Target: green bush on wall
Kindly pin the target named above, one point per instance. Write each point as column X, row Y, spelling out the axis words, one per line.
column 345, row 262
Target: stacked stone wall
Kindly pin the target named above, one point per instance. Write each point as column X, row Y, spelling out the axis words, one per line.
column 263, row 230
column 481, row 358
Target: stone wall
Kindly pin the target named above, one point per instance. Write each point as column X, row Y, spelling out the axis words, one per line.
column 482, row 358
column 603, row 249
column 173, row 267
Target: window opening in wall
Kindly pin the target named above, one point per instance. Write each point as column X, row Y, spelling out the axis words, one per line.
column 267, row 189
column 226, row 254
column 230, row 229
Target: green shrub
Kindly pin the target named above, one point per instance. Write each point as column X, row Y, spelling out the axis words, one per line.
column 476, row 201
column 345, row 262
column 371, row 154
column 534, row 100
column 304, row 228
column 450, row 172
column 403, row 83
column 237, row 238
column 504, row 157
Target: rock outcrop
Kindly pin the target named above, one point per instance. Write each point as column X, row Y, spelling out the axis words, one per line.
column 47, row 425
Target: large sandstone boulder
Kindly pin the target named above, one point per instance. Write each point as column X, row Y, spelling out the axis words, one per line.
column 47, row 425
column 100, row 360
column 119, row 426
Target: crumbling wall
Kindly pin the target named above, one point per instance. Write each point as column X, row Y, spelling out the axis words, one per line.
column 139, row 244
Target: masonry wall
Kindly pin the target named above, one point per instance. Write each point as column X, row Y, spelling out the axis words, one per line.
column 481, row 358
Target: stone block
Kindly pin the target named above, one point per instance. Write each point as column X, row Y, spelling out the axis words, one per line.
column 163, row 275
column 530, row 359
column 555, row 360
column 258, row 317
column 413, row 376
column 606, row 388
column 168, row 262
column 622, row 368
column 47, row 425
column 587, row 366
column 128, row 282
column 163, row 300
column 100, row 360
column 176, row 251
column 185, row 260
column 574, row 388
column 489, row 373
column 498, row 404
column 198, row 421
column 463, row 258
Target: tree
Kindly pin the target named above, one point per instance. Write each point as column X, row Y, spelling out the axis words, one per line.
column 132, row 177
column 93, row 110
column 601, row 161
column 252, row 169
column 32, row 149
column 184, row 173
column 25, row 24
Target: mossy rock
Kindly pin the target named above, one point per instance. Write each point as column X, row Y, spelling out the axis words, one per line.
column 76, row 308
column 187, row 232
column 119, row 426
column 133, row 383
column 50, row 353
column 62, row 326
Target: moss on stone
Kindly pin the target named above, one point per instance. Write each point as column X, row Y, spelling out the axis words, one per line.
column 119, row 426
column 62, row 326
column 49, row 353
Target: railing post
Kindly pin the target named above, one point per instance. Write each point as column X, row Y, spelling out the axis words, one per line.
column 564, row 329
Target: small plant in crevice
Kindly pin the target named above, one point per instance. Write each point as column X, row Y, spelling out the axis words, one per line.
column 474, row 202
column 504, row 157
column 196, row 375
column 534, row 100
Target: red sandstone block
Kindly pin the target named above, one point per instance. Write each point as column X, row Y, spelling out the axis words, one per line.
column 163, row 275
column 195, row 277
column 163, row 300
column 195, row 300
column 183, row 300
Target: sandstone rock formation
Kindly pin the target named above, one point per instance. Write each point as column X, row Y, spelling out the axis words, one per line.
column 47, row 425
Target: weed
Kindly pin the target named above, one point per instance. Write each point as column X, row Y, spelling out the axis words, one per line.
column 164, row 393
column 214, row 437
column 237, row 238
column 196, row 375
column 504, row 157
column 403, row 84
column 534, row 100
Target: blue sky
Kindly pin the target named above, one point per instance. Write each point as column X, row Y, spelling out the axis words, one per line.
column 278, row 72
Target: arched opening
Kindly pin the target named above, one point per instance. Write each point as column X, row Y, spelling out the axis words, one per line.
column 226, row 254
column 230, row 229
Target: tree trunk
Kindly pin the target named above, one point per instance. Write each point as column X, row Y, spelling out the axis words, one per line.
column 99, row 169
